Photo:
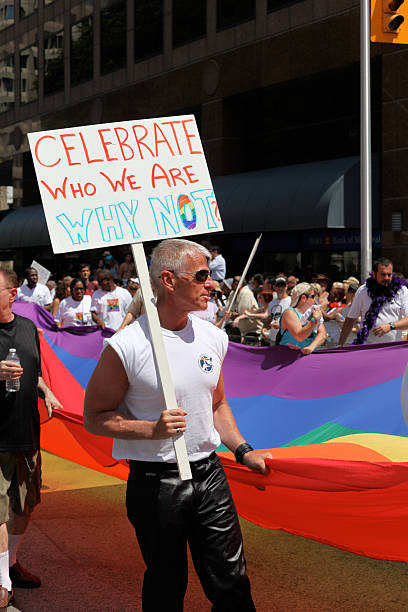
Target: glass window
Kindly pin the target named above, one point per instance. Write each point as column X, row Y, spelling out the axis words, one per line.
column 148, row 28
column 6, row 14
column 53, row 56
column 275, row 5
column 28, row 67
column 396, row 221
column 81, row 10
column 27, row 7
column 82, row 47
column 113, row 35
column 231, row 13
column 81, row 43
column 189, row 21
column 6, row 77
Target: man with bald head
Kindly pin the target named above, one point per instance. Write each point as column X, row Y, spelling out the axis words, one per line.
column 33, row 291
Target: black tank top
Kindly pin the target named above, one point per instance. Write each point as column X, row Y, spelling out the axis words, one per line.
column 19, row 416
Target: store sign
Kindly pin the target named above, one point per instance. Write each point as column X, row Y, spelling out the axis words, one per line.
column 345, row 240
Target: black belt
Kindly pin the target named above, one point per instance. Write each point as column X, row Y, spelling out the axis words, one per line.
column 164, row 466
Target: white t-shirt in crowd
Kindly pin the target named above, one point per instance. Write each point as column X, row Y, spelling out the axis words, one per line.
column 276, row 308
column 111, row 306
column 40, row 294
column 218, row 268
column 71, row 312
column 209, row 314
column 391, row 312
column 195, row 355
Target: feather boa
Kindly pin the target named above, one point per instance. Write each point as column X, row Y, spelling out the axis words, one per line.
column 380, row 295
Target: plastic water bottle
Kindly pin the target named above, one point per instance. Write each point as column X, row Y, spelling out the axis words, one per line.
column 13, row 385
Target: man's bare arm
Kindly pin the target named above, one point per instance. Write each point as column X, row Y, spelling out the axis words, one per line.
column 105, row 390
column 226, row 426
column 51, row 402
column 346, row 329
column 127, row 320
column 401, row 324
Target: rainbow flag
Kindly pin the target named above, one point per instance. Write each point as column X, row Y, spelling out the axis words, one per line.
column 332, row 421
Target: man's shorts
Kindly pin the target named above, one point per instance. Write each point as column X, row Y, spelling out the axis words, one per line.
column 20, row 482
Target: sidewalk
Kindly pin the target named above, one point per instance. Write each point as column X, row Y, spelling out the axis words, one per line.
column 81, row 545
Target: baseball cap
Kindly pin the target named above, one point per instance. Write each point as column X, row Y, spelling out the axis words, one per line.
column 351, row 280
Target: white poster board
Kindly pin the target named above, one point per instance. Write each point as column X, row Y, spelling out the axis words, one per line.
column 43, row 273
column 126, row 182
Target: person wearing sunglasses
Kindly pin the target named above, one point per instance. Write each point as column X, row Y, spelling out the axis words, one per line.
column 296, row 333
column 124, row 400
column 75, row 309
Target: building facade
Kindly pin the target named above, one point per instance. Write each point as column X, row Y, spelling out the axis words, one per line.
column 272, row 84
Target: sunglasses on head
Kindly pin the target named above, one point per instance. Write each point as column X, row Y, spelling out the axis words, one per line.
column 200, row 276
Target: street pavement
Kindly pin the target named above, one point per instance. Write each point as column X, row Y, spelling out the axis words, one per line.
column 81, row 545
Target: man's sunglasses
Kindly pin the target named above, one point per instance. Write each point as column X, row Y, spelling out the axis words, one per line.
column 200, row 276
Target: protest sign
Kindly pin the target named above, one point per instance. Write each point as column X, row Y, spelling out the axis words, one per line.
column 43, row 273
column 125, row 182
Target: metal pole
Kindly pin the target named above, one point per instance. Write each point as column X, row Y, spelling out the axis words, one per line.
column 241, row 280
column 365, row 141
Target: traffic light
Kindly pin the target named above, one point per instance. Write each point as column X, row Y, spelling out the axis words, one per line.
column 389, row 21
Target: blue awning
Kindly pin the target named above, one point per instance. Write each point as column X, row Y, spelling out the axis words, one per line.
column 314, row 196
column 24, row 227
column 318, row 195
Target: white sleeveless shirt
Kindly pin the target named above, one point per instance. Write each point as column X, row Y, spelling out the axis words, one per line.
column 195, row 356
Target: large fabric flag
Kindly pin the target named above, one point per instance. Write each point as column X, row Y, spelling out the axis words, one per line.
column 332, row 421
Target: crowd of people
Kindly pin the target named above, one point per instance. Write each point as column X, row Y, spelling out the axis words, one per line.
column 125, row 402
column 267, row 309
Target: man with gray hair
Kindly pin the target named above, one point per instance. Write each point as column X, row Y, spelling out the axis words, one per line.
column 124, row 400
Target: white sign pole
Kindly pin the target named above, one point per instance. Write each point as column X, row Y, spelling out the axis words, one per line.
column 241, row 280
column 159, row 351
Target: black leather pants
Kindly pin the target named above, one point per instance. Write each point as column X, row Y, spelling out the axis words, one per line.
column 166, row 513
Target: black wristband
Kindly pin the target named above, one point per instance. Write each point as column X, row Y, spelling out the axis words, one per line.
column 240, row 452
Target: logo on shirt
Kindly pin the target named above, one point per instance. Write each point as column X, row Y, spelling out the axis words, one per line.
column 79, row 317
column 113, row 305
column 206, row 363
